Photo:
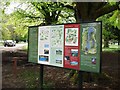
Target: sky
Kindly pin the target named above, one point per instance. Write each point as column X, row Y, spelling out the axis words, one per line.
column 12, row 6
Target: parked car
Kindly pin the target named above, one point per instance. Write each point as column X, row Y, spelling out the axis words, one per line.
column 9, row 43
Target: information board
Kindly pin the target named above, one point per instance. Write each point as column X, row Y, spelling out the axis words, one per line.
column 73, row 46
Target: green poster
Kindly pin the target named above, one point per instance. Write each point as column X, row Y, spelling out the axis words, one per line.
column 33, row 44
column 90, row 46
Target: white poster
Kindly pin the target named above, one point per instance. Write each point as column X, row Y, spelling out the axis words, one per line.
column 50, row 45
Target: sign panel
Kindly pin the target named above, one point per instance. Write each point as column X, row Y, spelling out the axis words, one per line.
column 90, row 46
column 33, row 44
column 71, row 47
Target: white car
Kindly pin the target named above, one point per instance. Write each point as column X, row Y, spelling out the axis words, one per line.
column 9, row 43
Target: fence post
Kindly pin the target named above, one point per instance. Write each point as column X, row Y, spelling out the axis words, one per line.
column 15, row 66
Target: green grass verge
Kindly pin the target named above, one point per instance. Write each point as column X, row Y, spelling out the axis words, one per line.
column 25, row 48
column 1, row 44
column 112, row 48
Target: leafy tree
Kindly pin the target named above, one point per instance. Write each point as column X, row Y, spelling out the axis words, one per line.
column 90, row 11
column 115, row 21
column 45, row 12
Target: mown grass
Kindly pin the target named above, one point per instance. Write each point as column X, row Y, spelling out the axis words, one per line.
column 1, row 44
column 25, row 48
column 112, row 48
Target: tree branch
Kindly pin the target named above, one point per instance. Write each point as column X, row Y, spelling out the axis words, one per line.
column 68, row 6
column 38, row 8
column 56, row 18
column 107, row 9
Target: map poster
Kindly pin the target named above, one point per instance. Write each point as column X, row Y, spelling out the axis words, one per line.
column 33, row 44
column 56, row 45
column 44, row 45
column 90, row 46
column 71, row 46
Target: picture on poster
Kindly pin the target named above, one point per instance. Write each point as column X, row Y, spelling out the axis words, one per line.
column 59, row 61
column 71, row 36
column 59, row 52
column 89, row 40
column 67, row 57
column 74, row 52
column 93, row 60
column 73, row 63
column 43, row 58
column 46, row 45
column 44, row 34
column 46, row 51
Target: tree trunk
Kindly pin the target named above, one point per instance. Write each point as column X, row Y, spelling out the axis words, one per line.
column 84, row 14
column 90, row 11
column 106, row 43
column 118, row 42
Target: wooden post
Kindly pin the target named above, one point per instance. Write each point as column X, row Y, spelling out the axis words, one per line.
column 80, row 81
column 15, row 66
column 41, row 76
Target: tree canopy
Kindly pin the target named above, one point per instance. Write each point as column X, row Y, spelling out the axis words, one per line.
column 46, row 13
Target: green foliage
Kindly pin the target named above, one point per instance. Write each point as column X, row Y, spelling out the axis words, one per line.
column 115, row 19
column 112, row 48
column 109, row 25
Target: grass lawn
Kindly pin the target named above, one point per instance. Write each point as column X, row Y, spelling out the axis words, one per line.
column 1, row 44
column 112, row 48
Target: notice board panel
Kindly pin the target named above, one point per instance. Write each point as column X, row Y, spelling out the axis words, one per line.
column 33, row 44
column 90, row 46
column 73, row 46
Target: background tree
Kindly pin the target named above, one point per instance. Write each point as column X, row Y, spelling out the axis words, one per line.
column 108, row 29
column 90, row 11
column 46, row 12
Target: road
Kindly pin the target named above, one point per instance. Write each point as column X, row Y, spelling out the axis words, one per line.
column 18, row 46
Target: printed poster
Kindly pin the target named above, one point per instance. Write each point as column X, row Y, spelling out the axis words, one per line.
column 90, row 46
column 56, row 45
column 44, row 45
column 72, row 46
